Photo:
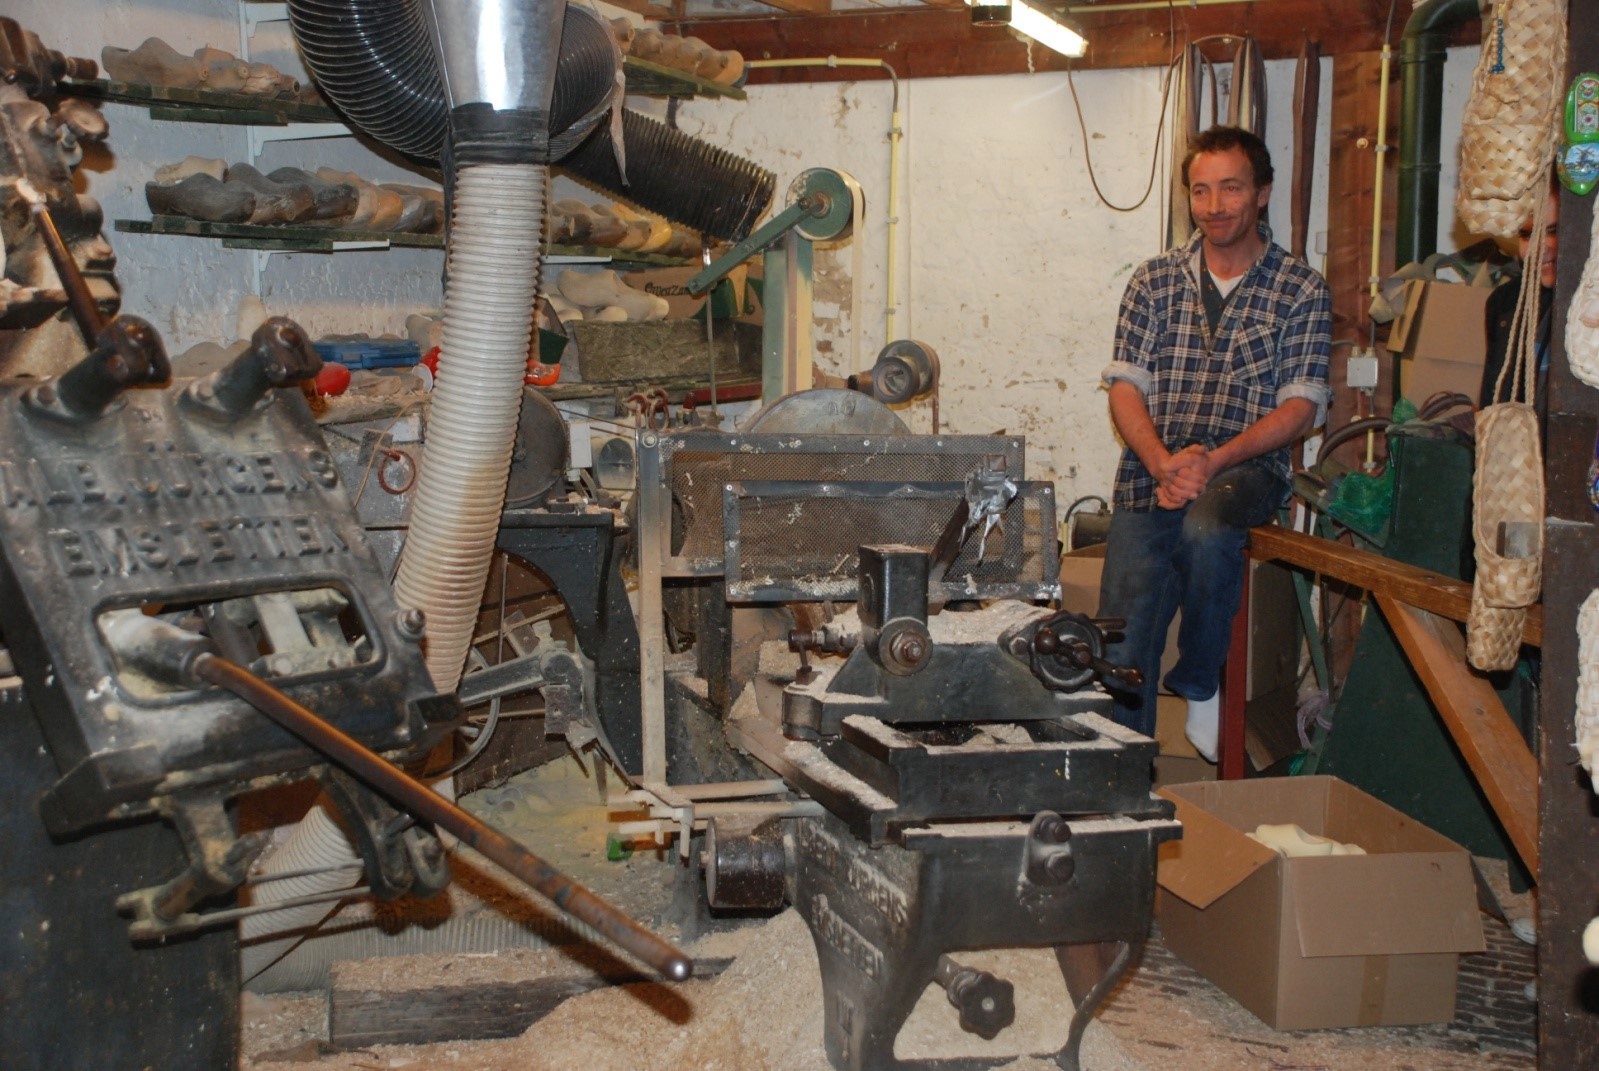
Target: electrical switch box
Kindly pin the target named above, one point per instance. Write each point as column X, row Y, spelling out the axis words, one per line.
column 1361, row 371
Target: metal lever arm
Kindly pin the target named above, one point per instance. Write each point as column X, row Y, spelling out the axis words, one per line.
column 770, row 232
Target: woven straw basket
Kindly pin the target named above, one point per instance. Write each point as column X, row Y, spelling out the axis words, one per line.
column 1587, row 726
column 1493, row 635
column 1582, row 319
column 1508, row 489
column 1510, row 120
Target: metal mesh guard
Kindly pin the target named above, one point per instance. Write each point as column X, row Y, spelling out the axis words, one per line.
column 698, row 466
column 797, row 542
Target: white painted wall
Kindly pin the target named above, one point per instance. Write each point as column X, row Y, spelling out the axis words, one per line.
column 1010, row 266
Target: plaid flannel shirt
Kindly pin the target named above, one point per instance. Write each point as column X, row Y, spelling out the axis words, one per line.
column 1271, row 344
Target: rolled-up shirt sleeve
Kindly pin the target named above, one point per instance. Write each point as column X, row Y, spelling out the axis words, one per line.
column 1304, row 351
column 1137, row 335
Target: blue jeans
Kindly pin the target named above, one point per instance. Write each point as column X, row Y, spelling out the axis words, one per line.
column 1193, row 558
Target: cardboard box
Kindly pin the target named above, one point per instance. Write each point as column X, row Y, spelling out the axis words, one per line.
column 1442, row 337
column 1178, row 763
column 672, row 284
column 1311, row 943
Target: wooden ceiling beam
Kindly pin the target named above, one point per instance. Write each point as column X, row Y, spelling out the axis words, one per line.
column 937, row 43
column 799, row 7
column 657, row 12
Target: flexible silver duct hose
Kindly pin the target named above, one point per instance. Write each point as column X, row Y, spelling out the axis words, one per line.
column 318, row 844
column 496, row 240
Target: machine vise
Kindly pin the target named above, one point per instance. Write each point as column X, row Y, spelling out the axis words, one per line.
column 976, row 796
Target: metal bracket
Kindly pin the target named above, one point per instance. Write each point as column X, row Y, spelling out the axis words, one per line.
column 401, row 857
column 219, row 860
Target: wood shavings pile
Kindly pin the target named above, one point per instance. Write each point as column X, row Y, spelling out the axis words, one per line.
column 764, row 1013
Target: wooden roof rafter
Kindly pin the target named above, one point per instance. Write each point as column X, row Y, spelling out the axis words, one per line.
column 925, row 41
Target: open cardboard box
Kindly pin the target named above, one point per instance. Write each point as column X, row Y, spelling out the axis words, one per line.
column 1442, row 338
column 1362, row 940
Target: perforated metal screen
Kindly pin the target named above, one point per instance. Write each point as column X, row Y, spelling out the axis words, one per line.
column 698, row 467
column 800, row 541
column 788, row 542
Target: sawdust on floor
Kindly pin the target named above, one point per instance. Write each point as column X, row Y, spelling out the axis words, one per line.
column 763, row 1014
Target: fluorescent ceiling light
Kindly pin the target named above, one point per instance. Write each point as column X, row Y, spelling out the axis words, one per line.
column 1034, row 22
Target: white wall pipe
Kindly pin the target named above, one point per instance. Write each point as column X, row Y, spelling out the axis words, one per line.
column 496, row 249
column 896, row 134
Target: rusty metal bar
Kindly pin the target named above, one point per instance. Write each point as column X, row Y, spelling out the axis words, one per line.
column 561, row 890
column 84, row 309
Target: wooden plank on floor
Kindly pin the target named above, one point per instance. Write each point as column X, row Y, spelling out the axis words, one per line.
column 417, row 1000
column 1425, row 590
column 1476, row 719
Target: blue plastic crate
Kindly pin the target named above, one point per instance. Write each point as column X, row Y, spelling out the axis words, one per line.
column 370, row 352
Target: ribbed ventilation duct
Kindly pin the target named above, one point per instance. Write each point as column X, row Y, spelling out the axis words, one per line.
column 373, row 61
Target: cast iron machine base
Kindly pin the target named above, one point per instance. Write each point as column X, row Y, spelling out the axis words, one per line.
column 981, row 800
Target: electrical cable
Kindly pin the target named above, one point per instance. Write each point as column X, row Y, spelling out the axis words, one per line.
column 485, row 733
column 1080, row 500
column 1088, row 158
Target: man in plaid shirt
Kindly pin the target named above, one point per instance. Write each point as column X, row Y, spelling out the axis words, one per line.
column 1220, row 364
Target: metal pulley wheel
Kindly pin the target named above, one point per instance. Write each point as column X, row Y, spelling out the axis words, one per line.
column 838, row 203
column 829, row 411
column 539, row 458
column 904, row 370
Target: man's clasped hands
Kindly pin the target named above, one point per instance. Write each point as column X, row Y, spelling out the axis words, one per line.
column 1182, row 476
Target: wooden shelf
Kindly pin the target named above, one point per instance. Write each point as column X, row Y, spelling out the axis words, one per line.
column 204, row 105
column 648, row 79
column 299, row 239
column 214, row 106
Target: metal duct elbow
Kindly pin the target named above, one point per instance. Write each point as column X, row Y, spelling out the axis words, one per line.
column 497, row 60
column 1421, row 65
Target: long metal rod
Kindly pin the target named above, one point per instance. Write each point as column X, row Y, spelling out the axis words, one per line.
column 401, row 789
column 79, row 299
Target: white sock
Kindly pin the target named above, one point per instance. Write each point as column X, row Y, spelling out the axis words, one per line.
column 1204, row 725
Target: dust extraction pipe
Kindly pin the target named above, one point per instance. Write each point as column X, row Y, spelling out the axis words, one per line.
column 521, row 84
column 1420, row 121
column 497, row 58
column 373, row 60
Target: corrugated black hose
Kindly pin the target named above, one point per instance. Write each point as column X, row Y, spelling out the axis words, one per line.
column 373, row 61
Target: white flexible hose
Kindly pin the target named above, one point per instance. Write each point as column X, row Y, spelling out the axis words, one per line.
column 317, row 844
column 496, row 248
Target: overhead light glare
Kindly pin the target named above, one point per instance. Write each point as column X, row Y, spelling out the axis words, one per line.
column 1032, row 21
